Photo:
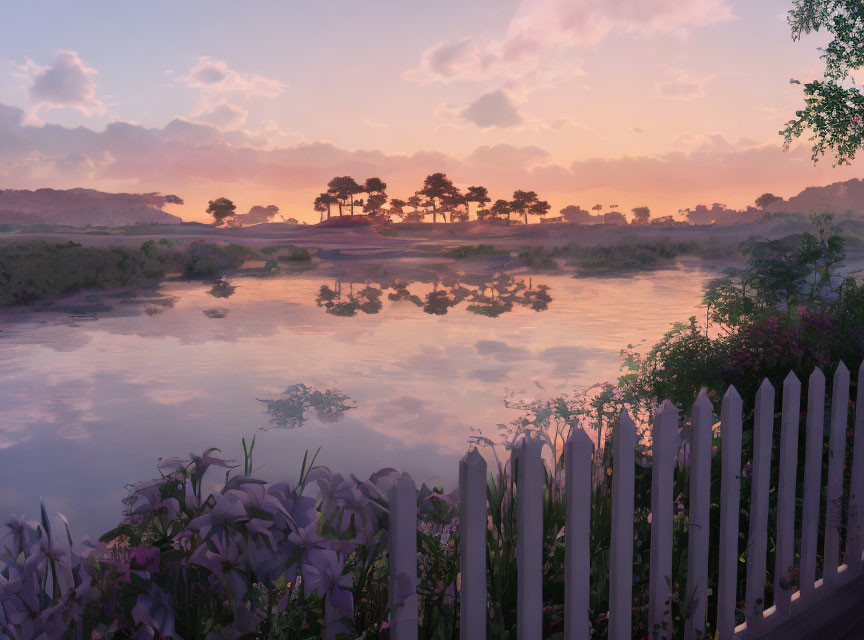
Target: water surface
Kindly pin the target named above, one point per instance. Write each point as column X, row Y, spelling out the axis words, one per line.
column 92, row 395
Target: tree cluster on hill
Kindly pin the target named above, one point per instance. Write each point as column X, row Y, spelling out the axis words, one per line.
column 224, row 211
column 438, row 197
column 84, row 207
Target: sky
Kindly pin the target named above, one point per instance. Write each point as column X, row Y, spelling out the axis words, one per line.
column 664, row 103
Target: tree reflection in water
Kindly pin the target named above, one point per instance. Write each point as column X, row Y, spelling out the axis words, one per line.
column 289, row 409
column 483, row 295
column 222, row 288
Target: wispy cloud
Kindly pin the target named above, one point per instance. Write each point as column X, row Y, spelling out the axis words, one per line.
column 542, row 31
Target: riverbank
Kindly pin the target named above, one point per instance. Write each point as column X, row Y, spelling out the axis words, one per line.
column 45, row 264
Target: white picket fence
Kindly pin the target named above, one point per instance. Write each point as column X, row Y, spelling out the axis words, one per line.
column 759, row 620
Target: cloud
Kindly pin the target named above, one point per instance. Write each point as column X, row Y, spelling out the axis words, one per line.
column 216, row 77
column 66, row 82
column 501, row 351
column 493, row 109
column 195, row 160
column 507, row 156
column 542, row 30
column 446, row 60
column 223, row 116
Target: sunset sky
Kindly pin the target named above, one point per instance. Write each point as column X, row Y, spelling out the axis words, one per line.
column 668, row 103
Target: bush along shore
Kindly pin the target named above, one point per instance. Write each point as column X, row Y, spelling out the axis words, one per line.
column 38, row 270
column 259, row 560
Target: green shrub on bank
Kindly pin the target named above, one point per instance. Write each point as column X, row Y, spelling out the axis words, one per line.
column 471, row 251
column 538, row 257
column 627, row 256
column 37, row 270
column 288, row 253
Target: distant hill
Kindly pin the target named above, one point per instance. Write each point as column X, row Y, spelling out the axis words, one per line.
column 839, row 197
column 83, row 207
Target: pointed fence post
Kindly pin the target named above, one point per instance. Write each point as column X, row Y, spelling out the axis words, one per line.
column 577, row 536
column 784, row 558
column 855, row 522
column 757, row 540
column 730, row 501
column 662, row 485
column 621, row 552
column 813, row 442
column 700, row 510
column 403, row 559
column 834, row 488
column 529, row 541
column 472, row 551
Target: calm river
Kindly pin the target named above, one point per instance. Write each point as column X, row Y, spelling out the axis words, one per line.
column 91, row 395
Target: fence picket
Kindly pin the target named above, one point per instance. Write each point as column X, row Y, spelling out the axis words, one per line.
column 730, row 499
column 472, row 551
column 813, row 442
column 785, row 552
column 403, row 559
column 577, row 531
column 699, row 511
column 662, row 480
column 757, row 539
column 855, row 522
column 621, row 552
column 834, row 488
column 529, row 545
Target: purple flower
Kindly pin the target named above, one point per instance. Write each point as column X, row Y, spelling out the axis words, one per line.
column 225, row 562
column 156, row 610
column 323, row 574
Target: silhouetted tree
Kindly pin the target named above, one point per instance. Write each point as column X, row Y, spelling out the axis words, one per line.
column 221, row 209
column 526, row 202
column 767, row 199
column 500, row 209
column 323, row 203
column 480, row 195
column 614, row 217
column 374, row 203
column 415, row 202
column 437, row 187
column 397, row 207
column 641, row 215
column 344, row 188
column 451, row 202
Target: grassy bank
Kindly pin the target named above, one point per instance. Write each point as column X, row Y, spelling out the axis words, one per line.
column 38, row 270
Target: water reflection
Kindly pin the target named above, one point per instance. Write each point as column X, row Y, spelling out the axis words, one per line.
column 289, row 409
column 126, row 387
column 215, row 312
column 483, row 295
column 222, row 288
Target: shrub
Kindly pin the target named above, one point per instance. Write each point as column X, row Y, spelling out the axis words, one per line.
column 471, row 251
column 36, row 270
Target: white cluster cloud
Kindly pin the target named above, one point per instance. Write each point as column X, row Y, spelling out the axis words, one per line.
column 66, row 82
column 216, row 77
